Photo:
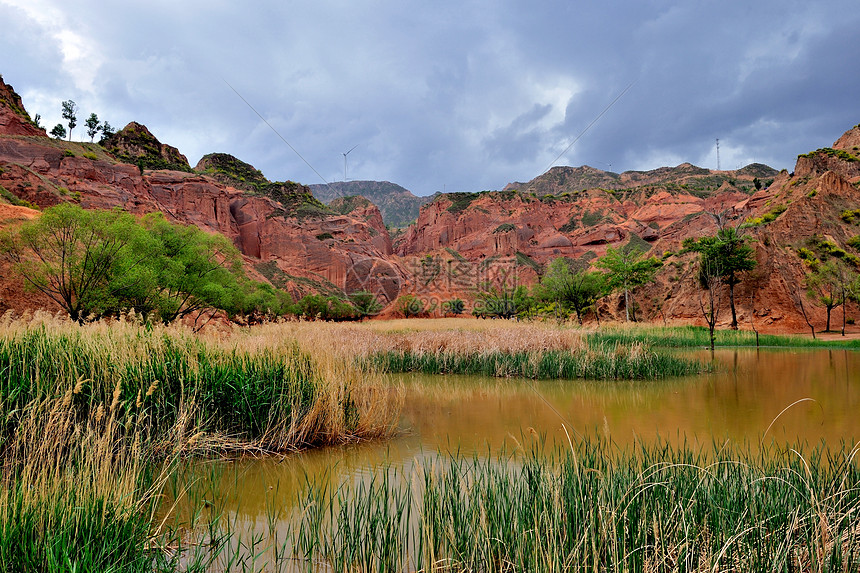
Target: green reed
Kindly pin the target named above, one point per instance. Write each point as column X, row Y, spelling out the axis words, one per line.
column 88, row 413
column 68, row 532
column 698, row 336
column 602, row 361
column 156, row 378
column 591, row 507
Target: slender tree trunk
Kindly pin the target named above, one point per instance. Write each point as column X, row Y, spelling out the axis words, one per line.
column 732, row 304
column 806, row 317
column 626, row 306
column 829, row 309
column 752, row 316
column 844, row 304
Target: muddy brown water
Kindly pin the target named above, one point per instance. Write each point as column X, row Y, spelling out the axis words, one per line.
column 754, row 396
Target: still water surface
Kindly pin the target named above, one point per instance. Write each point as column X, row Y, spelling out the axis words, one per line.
column 783, row 395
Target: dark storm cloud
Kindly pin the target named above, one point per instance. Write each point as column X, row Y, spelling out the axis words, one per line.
column 462, row 96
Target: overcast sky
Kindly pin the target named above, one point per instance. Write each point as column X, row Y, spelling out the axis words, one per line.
column 461, row 96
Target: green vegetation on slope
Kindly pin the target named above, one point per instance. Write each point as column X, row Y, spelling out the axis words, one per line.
column 296, row 199
column 135, row 144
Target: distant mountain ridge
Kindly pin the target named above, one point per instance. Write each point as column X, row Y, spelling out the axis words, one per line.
column 398, row 205
column 686, row 176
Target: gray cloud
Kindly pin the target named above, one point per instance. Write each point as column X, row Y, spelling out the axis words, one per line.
column 466, row 95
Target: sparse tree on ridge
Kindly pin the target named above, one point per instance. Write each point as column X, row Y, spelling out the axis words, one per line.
column 93, row 126
column 70, row 114
column 58, row 131
column 107, row 130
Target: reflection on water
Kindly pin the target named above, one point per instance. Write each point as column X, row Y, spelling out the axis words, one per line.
column 747, row 396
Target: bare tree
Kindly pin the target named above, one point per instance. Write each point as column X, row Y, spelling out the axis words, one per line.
column 795, row 292
column 711, row 280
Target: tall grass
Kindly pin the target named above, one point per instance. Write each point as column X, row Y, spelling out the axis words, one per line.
column 698, row 336
column 87, row 413
column 530, row 351
column 591, row 508
column 256, row 390
column 622, row 363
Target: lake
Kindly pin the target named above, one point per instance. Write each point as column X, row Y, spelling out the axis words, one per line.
column 753, row 396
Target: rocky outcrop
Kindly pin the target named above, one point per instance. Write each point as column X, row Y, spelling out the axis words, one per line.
column 14, row 119
column 135, row 144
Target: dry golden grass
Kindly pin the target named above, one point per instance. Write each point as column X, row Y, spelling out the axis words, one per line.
column 462, row 336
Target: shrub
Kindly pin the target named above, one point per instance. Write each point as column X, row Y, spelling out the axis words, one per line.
column 768, row 217
column 851, row 216
column 409, row 305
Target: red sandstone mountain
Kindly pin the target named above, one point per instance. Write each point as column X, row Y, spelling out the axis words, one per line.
column 459, row 239
column 300, row 250
column 519, row 230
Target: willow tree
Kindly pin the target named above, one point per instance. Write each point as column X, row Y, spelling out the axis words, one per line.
column 74, row 256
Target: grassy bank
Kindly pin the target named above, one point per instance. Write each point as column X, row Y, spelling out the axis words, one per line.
column 657, row 508
column 697, row 336
column 86, row 413
column 506, row 349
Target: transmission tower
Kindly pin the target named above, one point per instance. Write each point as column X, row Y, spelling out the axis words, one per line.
column 718, row 154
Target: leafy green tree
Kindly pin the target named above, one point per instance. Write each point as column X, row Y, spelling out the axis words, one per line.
column 107, row 130
column 37, row 121
column 58, row 131
column 525, row 302
column 728, row 251
column 312, row 306
column 409, row 305
column 494, row 300
column 70, row 114
column 194, row 269
column 103, row 262
column 365, row 303
column 261, row 300
column 93, row 126
column 454, row 306
column 625, row 270
column 571, row 288
column 73, row 256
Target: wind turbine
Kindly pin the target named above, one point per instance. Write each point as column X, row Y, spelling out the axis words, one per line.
column 344, row 160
